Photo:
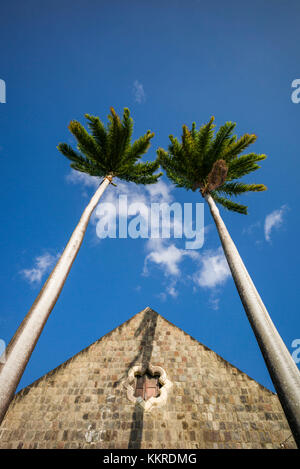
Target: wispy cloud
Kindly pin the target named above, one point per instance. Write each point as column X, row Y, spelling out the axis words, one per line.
column 159, row 192
column 76, row 177
column 172, row 291
column 214, row 302
column 42, row 265
column 160, row 252
column 252, row 228
column 138, row 92
column 274, row 220
column 212, row 273
column 214, row 270
column 167, row 256
column 209, row 268
column 135, row 195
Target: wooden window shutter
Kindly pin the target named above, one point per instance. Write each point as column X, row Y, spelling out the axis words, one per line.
column 139, row 390
column 151, row 387
column 146, row 386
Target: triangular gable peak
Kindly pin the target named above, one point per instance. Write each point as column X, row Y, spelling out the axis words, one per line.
column 200, row 400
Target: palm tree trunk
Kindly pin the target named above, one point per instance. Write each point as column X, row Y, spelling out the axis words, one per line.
column 282, row 368
column 22, row 344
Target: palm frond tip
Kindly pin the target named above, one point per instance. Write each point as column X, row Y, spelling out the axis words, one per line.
column 212, row 162
column 108, row 149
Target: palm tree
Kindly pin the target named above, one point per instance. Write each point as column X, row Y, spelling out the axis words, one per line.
column 106, row 152
column 212, row 163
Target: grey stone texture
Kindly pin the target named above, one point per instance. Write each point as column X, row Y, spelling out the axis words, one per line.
column 83, row 403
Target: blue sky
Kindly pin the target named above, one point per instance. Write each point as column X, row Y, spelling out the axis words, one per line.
column 171, row 63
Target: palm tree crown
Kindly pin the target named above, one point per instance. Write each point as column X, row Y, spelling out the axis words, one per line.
column 108, row 151
column 212, row 162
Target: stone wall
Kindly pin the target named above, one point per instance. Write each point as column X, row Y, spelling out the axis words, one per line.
column 84, row 402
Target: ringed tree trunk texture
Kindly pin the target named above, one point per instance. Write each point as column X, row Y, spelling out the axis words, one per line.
column 282, row 368
column 23, row 342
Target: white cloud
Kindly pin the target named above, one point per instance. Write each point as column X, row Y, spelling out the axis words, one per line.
column 76, row 177
column 159, row 192
column 214, row 302
column 163, row 253
column 162, row 296
column 113, row 209
column 274, row 220
column 214, row 269
column 252, row 228
column 136, row 194
column 169, row 290
column 138, row 92
column 172, row 291
column 42, row 264
column 167, row 256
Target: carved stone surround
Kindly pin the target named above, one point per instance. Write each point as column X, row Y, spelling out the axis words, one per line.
column 153, row 401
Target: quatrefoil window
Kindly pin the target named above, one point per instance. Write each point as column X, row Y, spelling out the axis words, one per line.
column 147, row 386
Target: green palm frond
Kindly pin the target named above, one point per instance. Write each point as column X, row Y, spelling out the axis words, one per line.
column 219, row 143
column 205, row 136
column 115, row 137
column 138, row 148
column 128, row 129
column 108, row 150
column 71, row 154
column 237, row 188
column 236, row 147
column 245, row 164
column 212, row 162
column 85, row 142
column 229, row 204
column 98, row 131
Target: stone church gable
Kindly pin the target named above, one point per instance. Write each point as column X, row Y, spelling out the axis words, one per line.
column 90, row 401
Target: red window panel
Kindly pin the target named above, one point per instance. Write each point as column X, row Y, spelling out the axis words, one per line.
column 139, row 389
column 151, row 387
column 147, row 386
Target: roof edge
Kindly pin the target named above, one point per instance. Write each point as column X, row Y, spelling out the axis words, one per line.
column 27, row 388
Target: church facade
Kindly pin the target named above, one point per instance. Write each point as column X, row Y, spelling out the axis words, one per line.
column 146, row 384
